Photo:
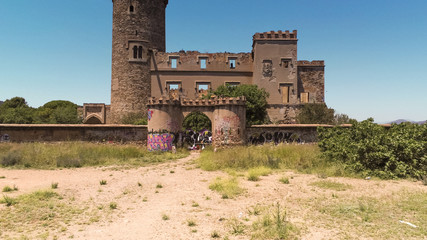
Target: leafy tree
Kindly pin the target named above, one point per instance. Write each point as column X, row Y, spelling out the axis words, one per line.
column 197, row 121
column 57, row 112
column 319, row 113
column 316, row 113
column 16, row 110
column 256, row 101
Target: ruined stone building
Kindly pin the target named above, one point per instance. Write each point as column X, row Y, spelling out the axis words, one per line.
column 142, row 69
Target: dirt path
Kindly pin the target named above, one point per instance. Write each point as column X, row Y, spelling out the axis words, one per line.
column 184, row 196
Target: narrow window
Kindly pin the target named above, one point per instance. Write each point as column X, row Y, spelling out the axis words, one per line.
column 232, row 63
column 174, row 63
column 140, row 52
column 135, row 52
column 203, row 87
column 131, row 8
column 203, row 63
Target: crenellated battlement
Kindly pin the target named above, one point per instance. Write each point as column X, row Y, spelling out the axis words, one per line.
column 279, row 35
column 197, row 102
column 315, row 63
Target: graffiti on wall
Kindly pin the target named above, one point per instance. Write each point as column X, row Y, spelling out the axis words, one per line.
column 160, row 141
column 4, row 138
column 196, row 139
column 274, row 137
column 226, row 125
column 150, row 114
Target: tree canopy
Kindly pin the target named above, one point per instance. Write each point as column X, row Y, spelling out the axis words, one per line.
column 256, row 101
column 17, row 111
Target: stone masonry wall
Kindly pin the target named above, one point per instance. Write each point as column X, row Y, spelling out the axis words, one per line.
column 136, row 23
column 77, row 132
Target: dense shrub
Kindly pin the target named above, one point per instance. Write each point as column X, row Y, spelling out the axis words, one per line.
column 371, row 149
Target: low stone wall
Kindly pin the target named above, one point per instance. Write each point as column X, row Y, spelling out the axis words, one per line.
column 78, row 132
column 260, row 134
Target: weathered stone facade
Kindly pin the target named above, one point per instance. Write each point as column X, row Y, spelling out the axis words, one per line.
column 142, row 69
column 138, row 29
column 166, row 115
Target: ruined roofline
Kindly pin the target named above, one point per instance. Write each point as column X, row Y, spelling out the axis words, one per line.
column 195, row 52
column 314, row 63
column 276, row 36
column 197, row 102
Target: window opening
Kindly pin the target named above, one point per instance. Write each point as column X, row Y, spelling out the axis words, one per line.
column 173, row 86
column 140, row 52
column 135, row 52
column 131, row 8
column 232, row 63
column 174, row 62
column 203, row 62
column 232, row 84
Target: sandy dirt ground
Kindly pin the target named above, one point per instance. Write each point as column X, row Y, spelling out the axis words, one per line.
column 140, row 208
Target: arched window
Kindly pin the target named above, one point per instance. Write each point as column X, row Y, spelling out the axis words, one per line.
column 131, row 8
column 135, row 52
column 140, row 52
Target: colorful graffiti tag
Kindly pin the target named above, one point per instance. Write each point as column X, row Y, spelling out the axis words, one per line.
column 160, row 141
column 150, row 114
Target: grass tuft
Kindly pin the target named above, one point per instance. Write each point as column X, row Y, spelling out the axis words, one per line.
column 191, row 223
column 103, row 182
column 215, row 234
column 284, row 180
column 325, row 184
column 228, row 188
column 54, row 185
column 255, row 173
column 10, row 189
column 113, row 205
column 165, row 217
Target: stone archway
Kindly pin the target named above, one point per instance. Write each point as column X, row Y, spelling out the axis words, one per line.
column 165, row 118
column 93, row 119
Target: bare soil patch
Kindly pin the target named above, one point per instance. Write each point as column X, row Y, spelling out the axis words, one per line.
column 173, row 201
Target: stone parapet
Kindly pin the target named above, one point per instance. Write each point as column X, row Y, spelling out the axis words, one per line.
column 273, row 35
column 197, row 102
column 315, row 63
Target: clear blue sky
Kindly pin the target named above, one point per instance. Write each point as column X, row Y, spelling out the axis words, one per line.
column 375, row 51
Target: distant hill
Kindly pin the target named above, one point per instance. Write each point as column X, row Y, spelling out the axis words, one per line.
column 1, row 102
column 399, row 121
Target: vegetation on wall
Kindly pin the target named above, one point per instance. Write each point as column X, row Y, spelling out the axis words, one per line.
column 197, row 122
column 135, row 119
column 17, row 111
column 256, row 101
column 319, row 113
column 373, row 150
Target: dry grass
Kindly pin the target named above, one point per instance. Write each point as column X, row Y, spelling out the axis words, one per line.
column 228, row 188
column 79, row 154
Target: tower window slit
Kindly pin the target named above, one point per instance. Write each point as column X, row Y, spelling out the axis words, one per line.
column 135, row 52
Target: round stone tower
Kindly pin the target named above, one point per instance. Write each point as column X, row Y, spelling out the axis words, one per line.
column 138, row 29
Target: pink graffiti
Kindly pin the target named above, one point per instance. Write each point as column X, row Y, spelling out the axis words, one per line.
column 160, row 142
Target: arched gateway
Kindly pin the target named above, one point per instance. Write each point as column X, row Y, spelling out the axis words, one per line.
column 166, row 115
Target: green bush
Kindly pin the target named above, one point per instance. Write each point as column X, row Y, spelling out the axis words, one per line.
column 11, row 158
column 371, row 149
